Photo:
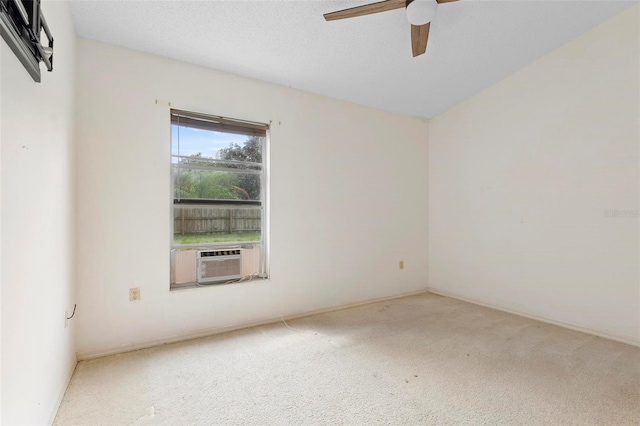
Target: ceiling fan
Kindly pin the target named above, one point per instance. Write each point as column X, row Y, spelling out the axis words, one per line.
column 420, row 13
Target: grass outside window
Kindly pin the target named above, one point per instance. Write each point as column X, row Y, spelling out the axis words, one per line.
column 217, row 237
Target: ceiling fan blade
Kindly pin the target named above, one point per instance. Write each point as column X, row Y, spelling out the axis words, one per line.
column 419, row 38
column 366, row 9
column 445, row 1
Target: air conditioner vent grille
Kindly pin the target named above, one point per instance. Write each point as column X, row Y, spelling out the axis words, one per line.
column 213, row 253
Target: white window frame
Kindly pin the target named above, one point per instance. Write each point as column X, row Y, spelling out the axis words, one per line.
column 263, row 202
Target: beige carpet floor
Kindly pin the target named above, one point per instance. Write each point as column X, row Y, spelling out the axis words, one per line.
column 423, row 359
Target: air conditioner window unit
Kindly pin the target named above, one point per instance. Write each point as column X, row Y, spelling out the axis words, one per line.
column 219, row 265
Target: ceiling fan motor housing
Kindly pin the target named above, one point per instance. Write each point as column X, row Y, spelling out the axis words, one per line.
column 420, row 12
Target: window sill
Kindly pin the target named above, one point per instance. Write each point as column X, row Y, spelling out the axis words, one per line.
column 193, row 286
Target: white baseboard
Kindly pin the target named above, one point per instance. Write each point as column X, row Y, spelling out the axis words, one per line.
column 70, row 370
column 629, row 340
column 82, row 356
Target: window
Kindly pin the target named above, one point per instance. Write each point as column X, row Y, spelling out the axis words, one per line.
column 218, row 193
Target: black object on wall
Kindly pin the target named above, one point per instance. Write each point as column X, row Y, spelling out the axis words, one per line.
column 21, row 25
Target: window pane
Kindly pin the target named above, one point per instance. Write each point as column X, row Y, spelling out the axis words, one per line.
column 215, row 185
column 216, row 224
column 195, row 161
column 197, row 143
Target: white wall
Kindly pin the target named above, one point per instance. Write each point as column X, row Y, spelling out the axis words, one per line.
column 38, row 352
column 520, row 177
column 347, row 200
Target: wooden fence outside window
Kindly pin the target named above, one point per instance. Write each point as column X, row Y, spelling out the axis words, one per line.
column 193, row 220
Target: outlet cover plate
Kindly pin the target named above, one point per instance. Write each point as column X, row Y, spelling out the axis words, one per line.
column 134, row 294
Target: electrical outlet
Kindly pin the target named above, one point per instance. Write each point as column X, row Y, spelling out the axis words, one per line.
column 66, row 318
column 134, row 294
column 401, row 264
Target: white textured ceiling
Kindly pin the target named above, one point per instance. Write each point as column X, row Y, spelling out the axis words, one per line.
column 472, row 44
